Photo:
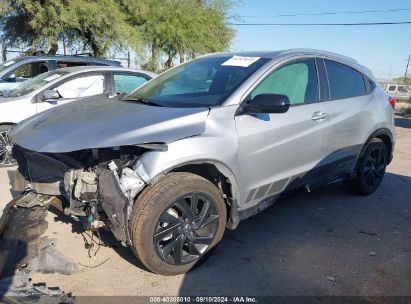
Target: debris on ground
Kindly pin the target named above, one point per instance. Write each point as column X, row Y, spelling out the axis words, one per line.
column 372, row 253
column 20, row 289
column 23, row 251
column 331, row 278
column 367, row 232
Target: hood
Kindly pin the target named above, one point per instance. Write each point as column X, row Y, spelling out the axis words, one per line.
column 99, row 122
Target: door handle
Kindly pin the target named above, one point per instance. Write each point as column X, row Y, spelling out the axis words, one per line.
column 319, row 116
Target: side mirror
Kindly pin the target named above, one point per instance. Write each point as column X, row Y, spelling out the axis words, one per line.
column 11, row 78
column 50, row 96
column 266, row 103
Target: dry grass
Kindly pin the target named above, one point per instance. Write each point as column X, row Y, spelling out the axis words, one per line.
column 403, row 109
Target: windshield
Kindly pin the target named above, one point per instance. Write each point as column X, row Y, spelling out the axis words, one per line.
column 5, row 65
column 204, row 82
column 35, row 83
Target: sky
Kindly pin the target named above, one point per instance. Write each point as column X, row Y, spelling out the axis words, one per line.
column 382, row 48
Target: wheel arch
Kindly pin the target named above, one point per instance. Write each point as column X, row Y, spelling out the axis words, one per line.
column 218, row 174
column 386, row 136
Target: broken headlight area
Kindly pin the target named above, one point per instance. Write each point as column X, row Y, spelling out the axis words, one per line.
column 97, row 186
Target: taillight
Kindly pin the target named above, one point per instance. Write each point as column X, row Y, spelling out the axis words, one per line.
column 392, row 102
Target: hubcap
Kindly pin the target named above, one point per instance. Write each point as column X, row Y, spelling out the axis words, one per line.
column 374, row 168
column 6, row 147
column 186, row 229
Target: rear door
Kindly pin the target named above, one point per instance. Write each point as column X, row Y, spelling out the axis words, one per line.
column 278, row 151
column 350, row 110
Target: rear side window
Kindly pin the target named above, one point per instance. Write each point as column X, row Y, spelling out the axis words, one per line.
column 344, row 81
column 67, row 64
column 297, row 80
column 402, row 89
column 125, row 83
column 30, row 70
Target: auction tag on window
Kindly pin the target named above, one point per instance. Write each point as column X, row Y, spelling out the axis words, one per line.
column 241, row 61
column 8, row 63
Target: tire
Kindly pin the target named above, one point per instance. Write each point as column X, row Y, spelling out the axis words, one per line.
column 371, row 168
column 164, row 204
column 6, row 158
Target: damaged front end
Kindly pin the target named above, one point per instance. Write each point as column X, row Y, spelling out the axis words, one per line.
column 97, row 186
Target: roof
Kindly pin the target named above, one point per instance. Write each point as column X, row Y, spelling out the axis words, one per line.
column 79, row 69
column 301, row 52
column 70, row 57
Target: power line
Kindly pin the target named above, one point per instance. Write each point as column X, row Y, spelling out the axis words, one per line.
column 328, row 13
column 320, row 24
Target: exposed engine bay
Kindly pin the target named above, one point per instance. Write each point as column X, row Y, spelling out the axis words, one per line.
column 96, row 186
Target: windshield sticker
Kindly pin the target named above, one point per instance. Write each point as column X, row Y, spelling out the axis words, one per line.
column 52, row 77
column 241, row 61
column 8, row 63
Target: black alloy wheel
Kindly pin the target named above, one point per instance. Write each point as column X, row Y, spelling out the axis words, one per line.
column 186, row 229
column 374, row 167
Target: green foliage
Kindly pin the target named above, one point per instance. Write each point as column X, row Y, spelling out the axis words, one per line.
column 183, row 27
column 98, row 24
column 166, row 28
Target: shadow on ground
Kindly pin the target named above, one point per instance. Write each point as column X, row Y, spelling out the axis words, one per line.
column 403, row 122
column 327, row 242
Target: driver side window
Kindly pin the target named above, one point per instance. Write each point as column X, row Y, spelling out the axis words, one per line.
column 297, row 80
column 82, row 87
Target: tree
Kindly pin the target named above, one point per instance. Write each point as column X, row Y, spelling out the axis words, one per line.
column 180, row 27
column 98, row 24
column 165, row 28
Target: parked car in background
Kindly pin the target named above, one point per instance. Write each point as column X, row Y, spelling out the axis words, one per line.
column 205, row 145
column 14, row 71
column 399, row 92
column 60, row 86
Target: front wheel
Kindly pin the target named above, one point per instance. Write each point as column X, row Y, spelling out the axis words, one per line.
column 371, row 168
column 6, row 145
column 176, row 221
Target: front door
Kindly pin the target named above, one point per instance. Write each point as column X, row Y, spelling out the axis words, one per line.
column 280, row 151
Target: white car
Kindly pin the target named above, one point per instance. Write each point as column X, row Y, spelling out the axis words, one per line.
column 57, row 87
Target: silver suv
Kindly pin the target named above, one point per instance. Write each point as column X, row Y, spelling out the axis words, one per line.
column 205, row 145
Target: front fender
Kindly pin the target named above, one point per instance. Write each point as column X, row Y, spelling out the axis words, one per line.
column 194, row 150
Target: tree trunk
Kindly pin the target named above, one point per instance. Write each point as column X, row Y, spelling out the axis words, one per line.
column 181, row 55
column 53, row 49
column 4, row 51
column 169, row 62
column 154, row 52
column 97, row 51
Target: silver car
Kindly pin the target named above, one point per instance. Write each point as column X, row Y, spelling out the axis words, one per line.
column 205, row 145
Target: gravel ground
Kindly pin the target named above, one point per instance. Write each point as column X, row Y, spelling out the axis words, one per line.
column 327, row 242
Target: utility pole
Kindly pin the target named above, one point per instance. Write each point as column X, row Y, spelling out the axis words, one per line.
column 408, row 63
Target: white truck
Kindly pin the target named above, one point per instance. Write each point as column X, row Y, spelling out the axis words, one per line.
column 399, row 92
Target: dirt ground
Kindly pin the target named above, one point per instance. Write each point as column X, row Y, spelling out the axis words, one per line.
column 327, row 242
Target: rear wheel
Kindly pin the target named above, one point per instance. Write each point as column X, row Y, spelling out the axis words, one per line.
column 6, row 145
column 371, row 168
column 176, row 222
